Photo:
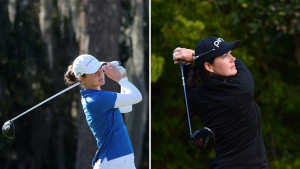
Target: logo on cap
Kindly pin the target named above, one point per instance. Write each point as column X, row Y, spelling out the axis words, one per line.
column 87, row 64
column 218, row 41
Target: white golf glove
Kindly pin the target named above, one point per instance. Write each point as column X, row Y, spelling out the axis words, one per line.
column 121, row 69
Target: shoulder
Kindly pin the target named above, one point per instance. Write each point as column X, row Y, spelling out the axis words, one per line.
column 97, row 95
column 106, row 94
column 99, row 99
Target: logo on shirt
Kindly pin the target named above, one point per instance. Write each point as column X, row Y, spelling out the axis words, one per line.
column 218, row 41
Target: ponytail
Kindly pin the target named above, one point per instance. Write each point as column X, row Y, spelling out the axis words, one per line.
column 194, row 76
column 70, row 76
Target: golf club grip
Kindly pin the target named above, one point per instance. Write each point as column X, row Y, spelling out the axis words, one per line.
column 185, row 98
column 180, row 64
column 74, row 85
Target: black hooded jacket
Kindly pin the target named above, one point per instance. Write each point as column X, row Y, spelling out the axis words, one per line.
column 226, row 106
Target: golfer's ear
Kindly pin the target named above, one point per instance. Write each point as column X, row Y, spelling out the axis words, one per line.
column 81, row 79
column 208, row 67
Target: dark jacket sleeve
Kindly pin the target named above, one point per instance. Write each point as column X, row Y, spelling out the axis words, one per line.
column 243, row 78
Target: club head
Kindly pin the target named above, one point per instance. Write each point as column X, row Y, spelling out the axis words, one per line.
column 8, row 129
column 204, row 139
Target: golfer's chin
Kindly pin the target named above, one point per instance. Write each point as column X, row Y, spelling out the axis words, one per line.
column 101, row 82
column 232, row 72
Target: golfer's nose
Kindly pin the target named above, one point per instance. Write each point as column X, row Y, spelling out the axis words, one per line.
column 232, row 58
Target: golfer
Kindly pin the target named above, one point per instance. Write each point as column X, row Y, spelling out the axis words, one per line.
column 103, row 110
column 221, row 91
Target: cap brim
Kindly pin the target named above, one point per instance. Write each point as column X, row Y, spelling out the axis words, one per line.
column 228, row 47
column 94, row 67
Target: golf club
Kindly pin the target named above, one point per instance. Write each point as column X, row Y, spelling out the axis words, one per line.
column 204, row 138
column 8, row 128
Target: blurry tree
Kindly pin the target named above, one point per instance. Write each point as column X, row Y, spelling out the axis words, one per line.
column 136, row 120
column 39, row 39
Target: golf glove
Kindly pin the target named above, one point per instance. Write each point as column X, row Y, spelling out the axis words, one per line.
column 121, row 69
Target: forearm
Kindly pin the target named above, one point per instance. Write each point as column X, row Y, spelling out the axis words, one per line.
column 129, row 95
column 125, row 109
column 244, row 77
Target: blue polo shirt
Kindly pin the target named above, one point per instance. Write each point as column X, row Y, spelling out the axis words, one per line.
column 106, row 123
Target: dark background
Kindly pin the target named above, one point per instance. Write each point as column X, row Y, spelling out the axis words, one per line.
column 38, row 40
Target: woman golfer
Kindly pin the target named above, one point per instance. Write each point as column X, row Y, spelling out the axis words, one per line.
column 103, row 110
column 221, row 91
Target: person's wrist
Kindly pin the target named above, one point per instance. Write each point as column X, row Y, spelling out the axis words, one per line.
column 124, row 79
column 189, row 56
column 119, row 78
column 193, row 56
column 190, row 59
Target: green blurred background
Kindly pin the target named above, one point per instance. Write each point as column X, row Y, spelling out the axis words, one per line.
column 269, row 32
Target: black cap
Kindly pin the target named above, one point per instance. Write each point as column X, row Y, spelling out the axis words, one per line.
column 211, row 47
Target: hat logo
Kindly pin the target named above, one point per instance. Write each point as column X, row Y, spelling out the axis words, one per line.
column 218, row 41
column 87, row 64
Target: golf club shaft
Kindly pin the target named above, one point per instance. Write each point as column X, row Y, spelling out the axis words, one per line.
column 74, row 85
column 185, row 98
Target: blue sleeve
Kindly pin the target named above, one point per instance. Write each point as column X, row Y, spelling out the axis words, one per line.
column 243, row 77
column 106, row 100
